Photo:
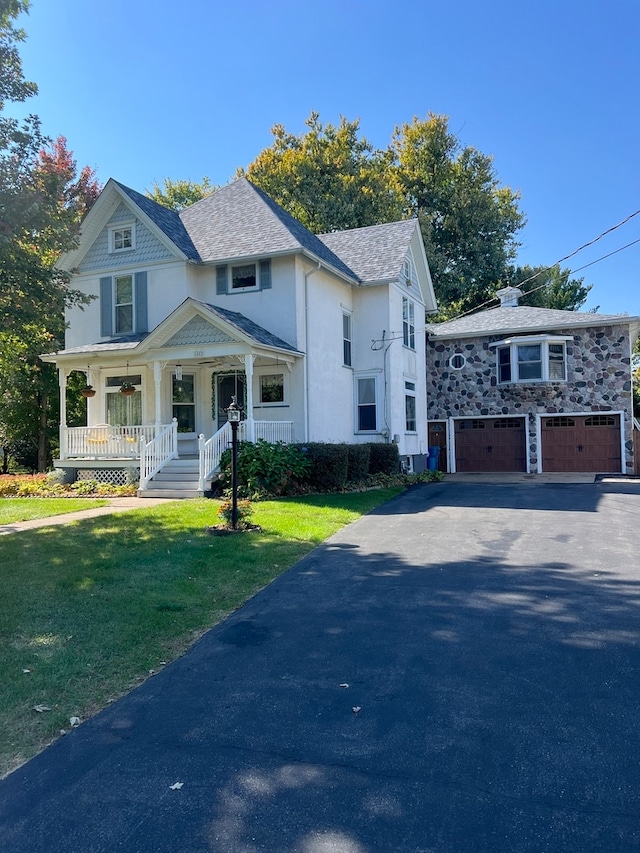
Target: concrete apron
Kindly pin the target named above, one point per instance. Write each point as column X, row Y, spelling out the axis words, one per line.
column 499, row 479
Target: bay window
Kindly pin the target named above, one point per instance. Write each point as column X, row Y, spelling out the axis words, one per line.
column 538, row 358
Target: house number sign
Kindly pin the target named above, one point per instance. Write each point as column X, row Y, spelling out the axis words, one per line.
column 198, row 353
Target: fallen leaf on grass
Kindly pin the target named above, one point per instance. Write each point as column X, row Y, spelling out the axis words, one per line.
column 176, row 786
column 41, row 708
column 25, row 671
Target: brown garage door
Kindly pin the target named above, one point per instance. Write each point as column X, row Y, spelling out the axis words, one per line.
column 584, row 443
column 490, row 444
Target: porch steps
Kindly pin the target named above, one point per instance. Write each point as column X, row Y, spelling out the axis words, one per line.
column 177, row 480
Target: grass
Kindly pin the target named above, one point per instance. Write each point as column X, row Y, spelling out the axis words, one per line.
column 26, row 509
column 88, row 609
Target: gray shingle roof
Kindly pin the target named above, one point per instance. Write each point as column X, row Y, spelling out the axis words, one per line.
column 168, row 221
column 240, row 220
column 375, row 253
column 124, row 343
column 249, row 328
column 522, row 318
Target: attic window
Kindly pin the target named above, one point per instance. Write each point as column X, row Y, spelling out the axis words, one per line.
column 409, row 272
column 122, row 238
column 243, row 277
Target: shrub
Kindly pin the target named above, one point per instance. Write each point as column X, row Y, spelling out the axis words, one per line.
column 267, row 469
column 359, row 457
column 328, row 466
column 385, row 459
column 244, row 511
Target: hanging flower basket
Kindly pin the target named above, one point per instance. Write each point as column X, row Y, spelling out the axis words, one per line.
column 89, row 391
column 127, row 389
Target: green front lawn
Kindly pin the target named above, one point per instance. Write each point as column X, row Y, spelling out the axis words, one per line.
column 26, row 509
column 88, row 609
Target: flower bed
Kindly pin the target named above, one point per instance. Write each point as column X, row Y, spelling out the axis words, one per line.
column 48, row 486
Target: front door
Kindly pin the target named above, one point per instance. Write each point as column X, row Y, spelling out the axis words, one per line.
column 229, row 385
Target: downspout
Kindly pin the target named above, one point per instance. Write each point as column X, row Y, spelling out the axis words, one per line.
column 307, row 276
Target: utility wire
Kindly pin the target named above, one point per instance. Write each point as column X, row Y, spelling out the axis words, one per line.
column 393, row 336
column 560, row 261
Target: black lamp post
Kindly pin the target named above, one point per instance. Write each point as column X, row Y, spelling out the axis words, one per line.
column 234, row 413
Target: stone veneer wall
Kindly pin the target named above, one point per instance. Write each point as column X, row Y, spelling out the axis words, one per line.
column 598, row 380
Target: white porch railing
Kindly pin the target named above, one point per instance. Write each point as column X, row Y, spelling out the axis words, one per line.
column 155, row 454
column 274, row 431
column 105, row 441
column 211, row 450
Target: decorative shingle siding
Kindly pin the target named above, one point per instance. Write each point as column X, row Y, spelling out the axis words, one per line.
column 148, row 247
column 198, row 331
column 598, row 380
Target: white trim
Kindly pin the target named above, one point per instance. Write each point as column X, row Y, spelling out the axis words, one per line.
column 367, row 374
column 451, row 444
column 583, row 414
column 531, row 339
column 544, row 342
column 122, row 226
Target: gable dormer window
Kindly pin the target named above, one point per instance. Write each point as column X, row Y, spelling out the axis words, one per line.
column 122, row 238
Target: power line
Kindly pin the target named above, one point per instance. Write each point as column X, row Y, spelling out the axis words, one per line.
column 560, row 261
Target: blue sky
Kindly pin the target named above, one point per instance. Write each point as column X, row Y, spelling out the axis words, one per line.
column 147, row 89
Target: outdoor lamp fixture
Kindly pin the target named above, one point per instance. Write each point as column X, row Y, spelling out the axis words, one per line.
column 234, row 413
column 179, row 372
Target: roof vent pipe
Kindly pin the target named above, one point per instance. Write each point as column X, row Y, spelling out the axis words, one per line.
column 509, row 297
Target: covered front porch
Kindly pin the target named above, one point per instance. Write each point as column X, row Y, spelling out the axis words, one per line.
column 164, row 398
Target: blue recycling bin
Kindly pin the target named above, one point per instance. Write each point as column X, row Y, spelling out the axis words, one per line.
column 432, row 461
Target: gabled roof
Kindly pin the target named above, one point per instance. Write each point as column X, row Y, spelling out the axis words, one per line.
column 375, row 253
column 522, row 318
column 240, row 220
column 247, row 330
column 168, row 221
column 252, row 330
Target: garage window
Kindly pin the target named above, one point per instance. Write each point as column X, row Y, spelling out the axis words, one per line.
column 600, row 421
column 538, row 359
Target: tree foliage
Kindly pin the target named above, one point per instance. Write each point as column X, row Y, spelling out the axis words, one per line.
column 550, row 287
column 468, row 220
column 176, row 195
column 42, row 200
column 330, row 178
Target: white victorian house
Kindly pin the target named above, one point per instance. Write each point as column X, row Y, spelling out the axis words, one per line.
column 320, row 338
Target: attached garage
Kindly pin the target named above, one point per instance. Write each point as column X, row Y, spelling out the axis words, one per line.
column 490, row 444
column 589, row 443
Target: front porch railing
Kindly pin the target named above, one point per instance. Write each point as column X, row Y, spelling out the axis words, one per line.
column 155, row 454
column 106, row 441
column 211, row 450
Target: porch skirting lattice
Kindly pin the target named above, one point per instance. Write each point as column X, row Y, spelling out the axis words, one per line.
column 115, row 476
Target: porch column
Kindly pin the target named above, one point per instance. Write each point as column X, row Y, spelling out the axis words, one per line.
column 248, row 370
column 157, row 383
column 62, row 380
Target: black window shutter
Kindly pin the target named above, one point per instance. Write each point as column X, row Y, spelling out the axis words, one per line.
column 142, row 321
column 265, row 275
column 106, row 307
column 221, row 279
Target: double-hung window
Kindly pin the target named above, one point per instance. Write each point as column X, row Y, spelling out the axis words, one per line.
column 410, row 406
column 536, row 359
column 123, row 304
column 346, row 339
column 366, row 404
column 408, row 323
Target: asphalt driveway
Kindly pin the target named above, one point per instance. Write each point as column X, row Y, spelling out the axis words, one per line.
column 457, row 671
